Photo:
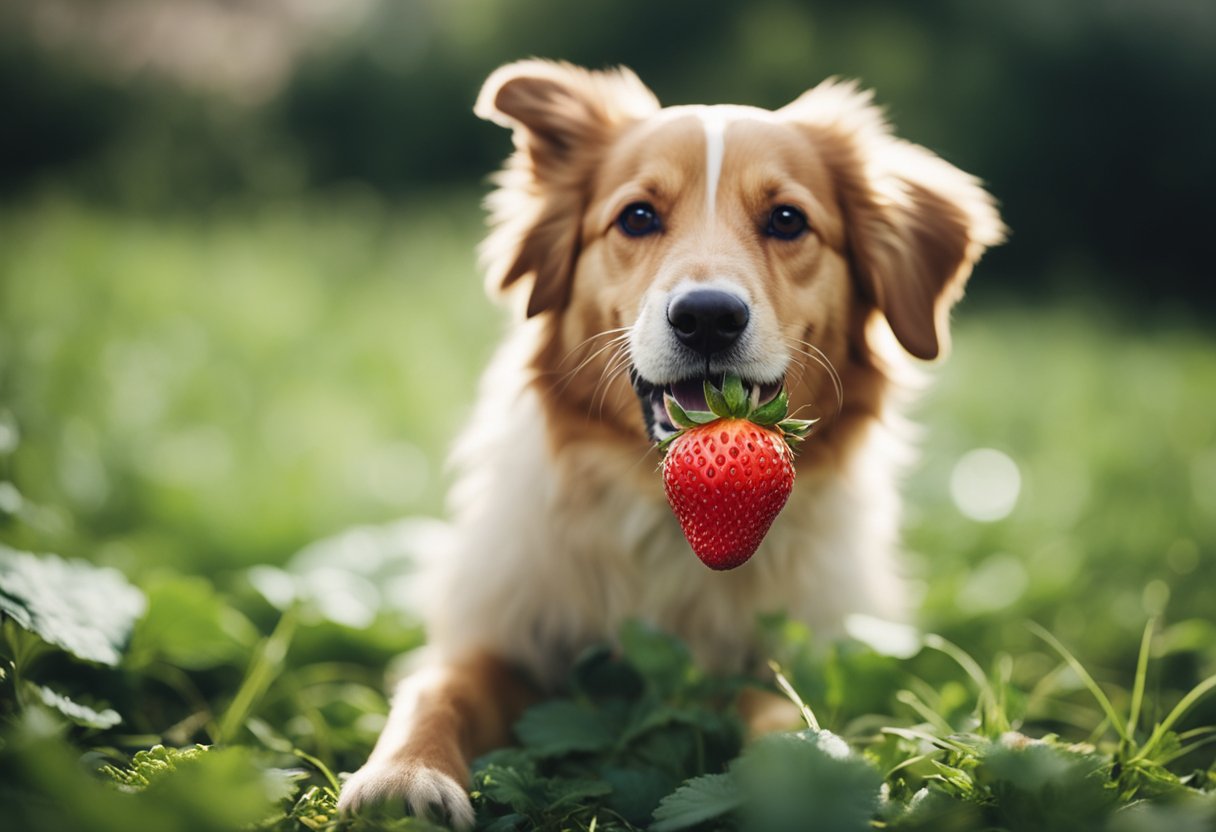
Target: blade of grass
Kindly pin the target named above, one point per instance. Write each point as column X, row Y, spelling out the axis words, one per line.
column 990, row 713
column 1186, row 749
column 262, row 671
column 1193, row 696
column 943, row 743
column 1141, row 677
column 908, row 763
column 926, row 713
column 1111, row 715
column 321, row 767
column 782, row 682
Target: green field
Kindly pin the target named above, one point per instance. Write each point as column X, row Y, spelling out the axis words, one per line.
column 193, row 401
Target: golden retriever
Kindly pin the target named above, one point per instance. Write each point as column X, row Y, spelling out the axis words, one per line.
column 646, row 249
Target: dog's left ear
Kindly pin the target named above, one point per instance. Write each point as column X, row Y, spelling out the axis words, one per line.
column 915, row 224
column 562, row 118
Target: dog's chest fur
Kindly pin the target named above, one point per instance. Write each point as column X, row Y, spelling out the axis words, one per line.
column 553, row 553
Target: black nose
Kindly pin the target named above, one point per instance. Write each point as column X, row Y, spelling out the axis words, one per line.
column 707, row 320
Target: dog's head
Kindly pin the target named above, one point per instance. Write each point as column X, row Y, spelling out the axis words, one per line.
column 664, row 246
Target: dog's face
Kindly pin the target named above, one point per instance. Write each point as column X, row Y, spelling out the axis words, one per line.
column 670, row 246
column 712, row 236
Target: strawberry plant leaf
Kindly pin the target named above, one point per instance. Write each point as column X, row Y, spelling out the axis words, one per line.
column 151, row 763
column 1191, row 814
column 735, row 396
column 560, row 727
column 772, row 411
column 1042, row 786
column 787, row 778
column 676, row 413
column 698, row 800
column 516, row 786
column 716, row 401
column 80, row 714
column 637, row 790
column 84, row 609
column 798, row 427
column 662, row 660
column 188, row 625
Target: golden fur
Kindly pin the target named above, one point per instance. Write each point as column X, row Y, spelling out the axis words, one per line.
column 560, row 528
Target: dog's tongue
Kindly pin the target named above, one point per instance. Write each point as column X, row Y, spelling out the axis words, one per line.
column 690, row 394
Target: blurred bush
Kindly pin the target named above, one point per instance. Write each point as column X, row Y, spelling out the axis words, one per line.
column 1088, row 119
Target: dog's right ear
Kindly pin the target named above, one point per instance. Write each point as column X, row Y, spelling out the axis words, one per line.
column 562, row 118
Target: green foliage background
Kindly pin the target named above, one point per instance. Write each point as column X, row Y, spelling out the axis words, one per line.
column 225, row 320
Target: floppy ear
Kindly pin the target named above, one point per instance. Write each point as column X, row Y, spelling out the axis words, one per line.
column 562, row 117
column 915, row 224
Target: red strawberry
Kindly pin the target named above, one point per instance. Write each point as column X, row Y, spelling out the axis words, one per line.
column 729, row 471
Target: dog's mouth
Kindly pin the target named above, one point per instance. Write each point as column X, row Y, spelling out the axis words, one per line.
column 689, row 393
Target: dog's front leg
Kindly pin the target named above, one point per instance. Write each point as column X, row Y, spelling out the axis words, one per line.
column 441, row 718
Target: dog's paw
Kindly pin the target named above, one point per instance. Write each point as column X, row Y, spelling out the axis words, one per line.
column 425, row 792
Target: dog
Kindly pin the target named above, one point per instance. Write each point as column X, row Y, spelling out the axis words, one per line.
column 645, row 249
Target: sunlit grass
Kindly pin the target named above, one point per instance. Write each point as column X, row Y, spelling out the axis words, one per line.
column 223, row 391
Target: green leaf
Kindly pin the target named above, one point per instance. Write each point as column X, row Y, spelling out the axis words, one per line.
column 788, row 778
column 567, row 793
column 716, row 401
column 84, row 609
column 599, row 673
column 637, row 790
column 506, row 823
column 796, row 427
column 1191, row 814
column 676, row 413
column 698, row 800
column 662, row 660
column 525, row 791
column 218, row 789
column 190, row 626
column 226, row 785
column 80, row 714
column 1041, row 786
column 520, row 788
column 560, row 727
column 150, row 764
column 735, row 396
column 772, row 411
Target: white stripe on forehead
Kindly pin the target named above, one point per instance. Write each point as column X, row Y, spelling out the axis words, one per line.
column 715, row 118
column 714, row 122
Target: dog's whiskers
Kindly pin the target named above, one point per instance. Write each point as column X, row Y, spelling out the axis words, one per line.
column 613, row 370
column 815, row 354
column 618, row 332
column 621, row 338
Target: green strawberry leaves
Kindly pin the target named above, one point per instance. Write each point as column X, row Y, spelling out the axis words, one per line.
column 732, row 401
column 772, row 411
column 86, row 610
column 686, row 418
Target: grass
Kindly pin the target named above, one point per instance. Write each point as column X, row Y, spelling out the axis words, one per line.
column 194, row 402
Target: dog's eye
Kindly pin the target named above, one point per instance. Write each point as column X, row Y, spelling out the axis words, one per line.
column 786, row 222
column 638, row 219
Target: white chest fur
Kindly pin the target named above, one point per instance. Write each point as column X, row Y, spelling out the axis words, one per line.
column 551, row 555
